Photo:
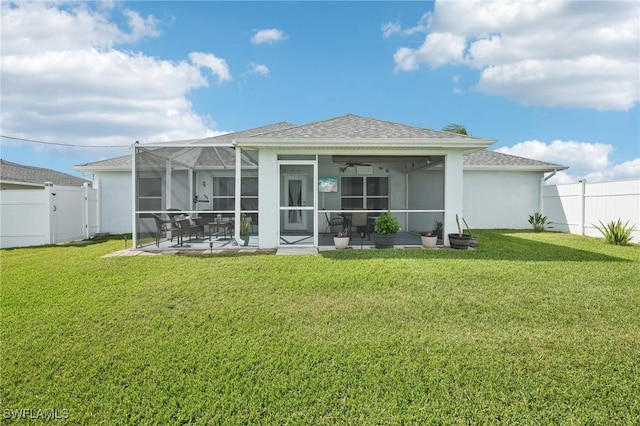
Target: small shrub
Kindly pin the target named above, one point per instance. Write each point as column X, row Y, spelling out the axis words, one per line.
column 437, row 228
column 539, row 222
column 615, row 232
column 387, row 224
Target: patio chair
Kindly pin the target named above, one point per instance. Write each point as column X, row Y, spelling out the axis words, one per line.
column 184, row 224
column 174, row 214
column 333, row 221
column 196, row 224
column 361, row 222
column 164, row 226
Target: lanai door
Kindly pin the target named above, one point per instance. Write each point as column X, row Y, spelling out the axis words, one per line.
column 297, row 201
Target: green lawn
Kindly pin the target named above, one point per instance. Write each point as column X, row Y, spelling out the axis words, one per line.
column 528, row 329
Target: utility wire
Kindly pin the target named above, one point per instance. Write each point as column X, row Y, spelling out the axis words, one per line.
column 64, row 144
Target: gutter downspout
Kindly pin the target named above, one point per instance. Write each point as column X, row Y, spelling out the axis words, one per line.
column 543, row 179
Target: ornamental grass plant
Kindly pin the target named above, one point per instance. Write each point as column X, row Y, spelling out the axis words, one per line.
column 615, row 232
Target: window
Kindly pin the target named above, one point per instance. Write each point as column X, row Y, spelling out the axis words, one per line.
column 224, row 190
column 149, row 194
column 365, row 192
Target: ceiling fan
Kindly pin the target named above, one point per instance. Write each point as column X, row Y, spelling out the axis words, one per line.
column 351, row 164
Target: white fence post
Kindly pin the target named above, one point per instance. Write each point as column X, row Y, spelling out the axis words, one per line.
column 85, row 210
column 51, row 209
column 583, row 185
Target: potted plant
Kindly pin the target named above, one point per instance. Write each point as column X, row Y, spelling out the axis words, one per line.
column 474, row 240
column 429, row 239
column 245, row 227
column 437, row 229
column 459, row 240
column 384, row 235
column 341, row 240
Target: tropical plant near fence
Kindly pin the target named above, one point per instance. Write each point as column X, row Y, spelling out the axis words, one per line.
column 539, row 222
column 615, row 232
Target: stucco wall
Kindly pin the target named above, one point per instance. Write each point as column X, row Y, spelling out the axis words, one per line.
column 491, row 199
column 180, row 197
column 115, row 201
column 495, row 199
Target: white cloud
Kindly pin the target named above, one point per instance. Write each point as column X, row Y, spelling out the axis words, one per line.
column 391, row 28
column 268, row 36
column 626, row 170
column 585, row 160
column 216, row 65
column 141, row 27
column 554, row 53
column 437, row 50
column 65, row 79
column 258, row 69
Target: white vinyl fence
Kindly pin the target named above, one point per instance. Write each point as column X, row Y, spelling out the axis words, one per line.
column 52, row 215
column 576, row 207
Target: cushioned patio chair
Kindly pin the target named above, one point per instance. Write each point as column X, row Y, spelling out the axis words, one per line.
column 184, row 224
column 196, row 225
column 165, row 226
column 361, row 222
column 333, row 221
column 174, row 213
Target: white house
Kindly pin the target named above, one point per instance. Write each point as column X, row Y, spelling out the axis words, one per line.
column 280, row 174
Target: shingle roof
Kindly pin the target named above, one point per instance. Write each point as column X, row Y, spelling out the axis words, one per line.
column 211, row 156
column 489, row 159
column 356, row 127
column 19, row 173
column 346, row 127
column 228, row 137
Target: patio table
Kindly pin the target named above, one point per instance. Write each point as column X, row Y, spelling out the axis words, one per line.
column 217, row 226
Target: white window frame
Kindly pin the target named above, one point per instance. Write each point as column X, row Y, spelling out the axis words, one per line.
column 365, row 196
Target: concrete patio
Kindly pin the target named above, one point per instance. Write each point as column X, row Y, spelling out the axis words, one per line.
column 228, row 244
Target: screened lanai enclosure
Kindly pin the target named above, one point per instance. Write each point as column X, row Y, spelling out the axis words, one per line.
column 191, row 195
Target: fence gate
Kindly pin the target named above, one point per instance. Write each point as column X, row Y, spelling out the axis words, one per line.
column 49, row 216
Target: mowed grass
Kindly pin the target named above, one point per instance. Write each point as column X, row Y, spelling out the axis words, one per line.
column 528, row 329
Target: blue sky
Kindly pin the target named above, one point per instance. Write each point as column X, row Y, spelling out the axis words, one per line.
column 556, row 81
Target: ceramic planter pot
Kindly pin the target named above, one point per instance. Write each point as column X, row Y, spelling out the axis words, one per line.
column 429, row 241
column 341, row 242
column 384, row 240
column 461, row 242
